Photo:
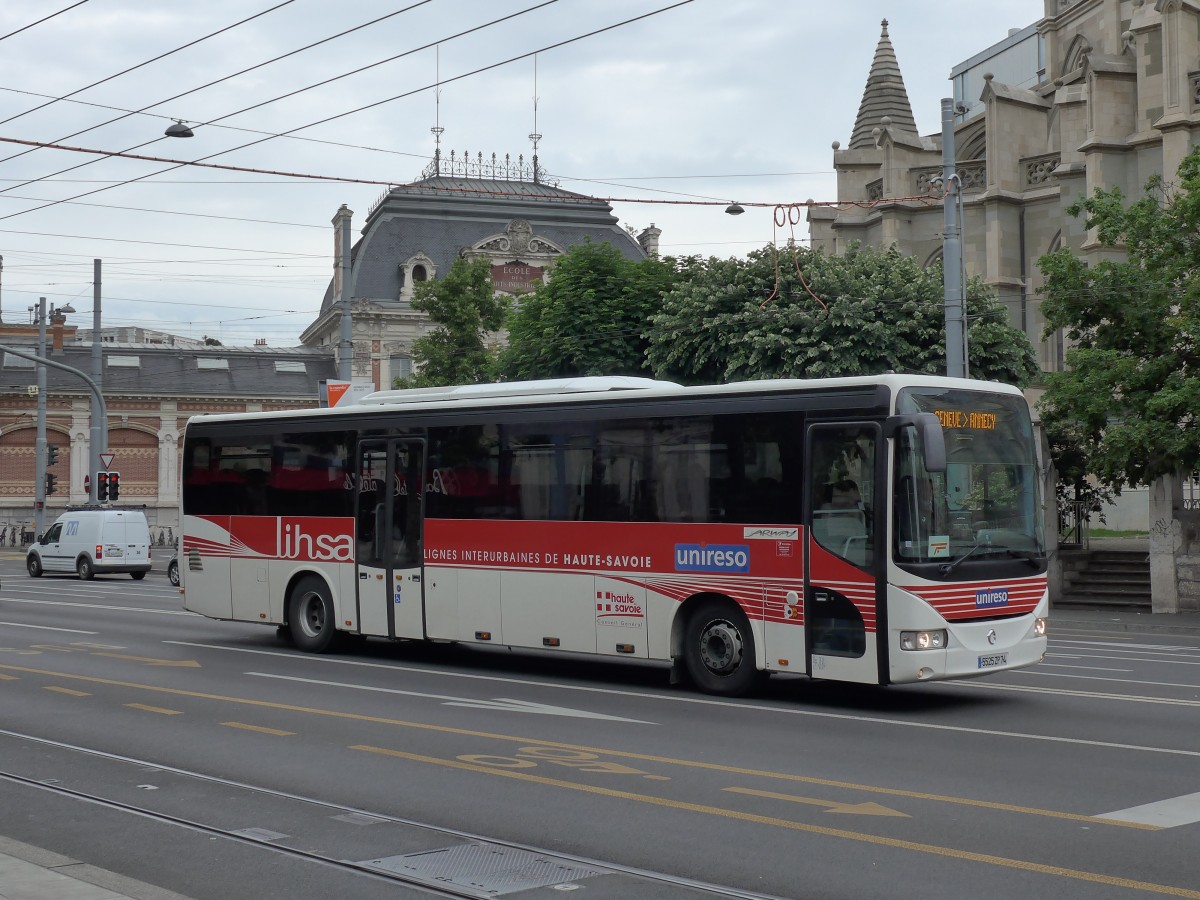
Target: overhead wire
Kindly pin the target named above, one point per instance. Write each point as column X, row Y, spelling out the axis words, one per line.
column 269, row 136
column 42, row 19
column 248, row 69
column 151, row 60
column 332, row 118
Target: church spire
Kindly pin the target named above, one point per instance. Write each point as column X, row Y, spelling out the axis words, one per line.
column 884, row 95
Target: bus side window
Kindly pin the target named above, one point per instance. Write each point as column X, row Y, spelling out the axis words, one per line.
column 842, row 492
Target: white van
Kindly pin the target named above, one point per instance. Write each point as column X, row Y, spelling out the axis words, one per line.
column 93, row 542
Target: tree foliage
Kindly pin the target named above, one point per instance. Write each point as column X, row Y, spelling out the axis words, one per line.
column 797, row 313
column 1126, row 408
column 589, row 318
column 465, row 312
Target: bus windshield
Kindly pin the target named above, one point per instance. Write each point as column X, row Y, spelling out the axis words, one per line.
column 987, row 504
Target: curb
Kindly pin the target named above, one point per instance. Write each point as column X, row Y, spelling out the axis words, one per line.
column 38, row 874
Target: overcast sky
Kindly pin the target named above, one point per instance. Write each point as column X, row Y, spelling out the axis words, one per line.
column 714, row 99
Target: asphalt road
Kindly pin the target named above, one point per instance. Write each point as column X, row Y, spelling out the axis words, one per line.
column 214, row 760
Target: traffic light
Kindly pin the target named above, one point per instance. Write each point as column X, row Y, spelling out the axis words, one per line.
column 51, row 455
column 102, row 487
column 114, row 485
column 51, row 483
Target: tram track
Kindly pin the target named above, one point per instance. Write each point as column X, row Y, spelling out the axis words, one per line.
column 380, row 871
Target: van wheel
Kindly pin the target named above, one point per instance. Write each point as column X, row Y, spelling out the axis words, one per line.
column 310, row 616
column 84, row 568
column 137, row 576
column 34, row 565
column 719, row 649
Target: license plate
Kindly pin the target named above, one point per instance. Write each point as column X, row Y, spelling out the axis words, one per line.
column 996, row 659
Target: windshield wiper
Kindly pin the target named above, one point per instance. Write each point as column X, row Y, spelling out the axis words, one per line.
column 947, row 568
column 1030, row 556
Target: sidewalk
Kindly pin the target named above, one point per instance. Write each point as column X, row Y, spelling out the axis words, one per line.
column 28, row 873
column 1132, row 620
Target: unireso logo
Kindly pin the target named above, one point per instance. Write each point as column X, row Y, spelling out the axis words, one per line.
column 991, row 597
column 712, row 558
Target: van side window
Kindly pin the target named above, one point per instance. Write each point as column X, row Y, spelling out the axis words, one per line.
column 53, row 535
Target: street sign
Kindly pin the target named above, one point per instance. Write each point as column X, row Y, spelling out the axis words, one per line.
column 106, row 460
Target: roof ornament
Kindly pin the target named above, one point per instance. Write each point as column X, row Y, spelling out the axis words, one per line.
column 535, row 137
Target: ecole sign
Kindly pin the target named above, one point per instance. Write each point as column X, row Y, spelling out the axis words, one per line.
column 515, row 278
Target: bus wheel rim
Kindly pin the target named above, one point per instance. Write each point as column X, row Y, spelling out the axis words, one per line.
column 312, row 614
column 721, row 647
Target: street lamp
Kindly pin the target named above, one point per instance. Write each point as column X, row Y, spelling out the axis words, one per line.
column 734, row 209
column 179, row 130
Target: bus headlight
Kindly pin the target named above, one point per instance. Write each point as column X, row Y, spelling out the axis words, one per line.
column 1039, row 626
column 923, row 640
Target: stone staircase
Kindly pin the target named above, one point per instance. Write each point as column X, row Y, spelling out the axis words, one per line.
column 1106, row 576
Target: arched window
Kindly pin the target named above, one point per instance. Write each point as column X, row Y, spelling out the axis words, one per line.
column 419, row 273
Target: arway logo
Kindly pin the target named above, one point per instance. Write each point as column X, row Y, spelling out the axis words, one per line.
column 712, row 558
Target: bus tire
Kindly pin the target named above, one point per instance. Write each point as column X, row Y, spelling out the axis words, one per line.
column 718, row 648
column 310, row 616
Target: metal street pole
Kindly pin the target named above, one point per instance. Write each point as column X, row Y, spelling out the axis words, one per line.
column 346, row 347
column 39, row 465
column 99, row 425
column 951, row 250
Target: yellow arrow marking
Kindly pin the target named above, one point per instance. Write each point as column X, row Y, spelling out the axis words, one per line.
column 833, row 806
column 150, row 661
column 877, row 840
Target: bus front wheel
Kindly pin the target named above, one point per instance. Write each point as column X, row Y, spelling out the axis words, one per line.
column 719, row 649
column 310, row 616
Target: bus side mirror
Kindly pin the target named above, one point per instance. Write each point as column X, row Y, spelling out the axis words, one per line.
column 929, row 433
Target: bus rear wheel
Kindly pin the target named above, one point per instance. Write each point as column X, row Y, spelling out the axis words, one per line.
column 719, row 649
column 310, row 616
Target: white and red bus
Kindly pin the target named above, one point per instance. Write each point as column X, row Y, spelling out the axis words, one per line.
column 881, row 530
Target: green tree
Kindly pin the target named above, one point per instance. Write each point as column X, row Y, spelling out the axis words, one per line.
column 589, row 318
column 798, row 313
column 464, row 310
column 1126, row 408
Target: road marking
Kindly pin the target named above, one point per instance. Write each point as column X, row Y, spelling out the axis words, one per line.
column 833, row 806
column 503, row 704
column 622, row 754
column 1171, row 813
column 877, row 840
column 9, row 678
column 259, row 728
column 155, row 709
column 47, row 628
column 706, row 701
column 63, row 690
column 185, row 663
column 1171, row 684
column 1096, row 695
column 1047, row 665
column 140, row 609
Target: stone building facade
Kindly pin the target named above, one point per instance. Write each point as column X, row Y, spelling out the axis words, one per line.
column 1096, row 94
column 150, row 389
column 472, row 207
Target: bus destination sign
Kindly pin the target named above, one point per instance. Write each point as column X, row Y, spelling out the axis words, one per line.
column 970, row 421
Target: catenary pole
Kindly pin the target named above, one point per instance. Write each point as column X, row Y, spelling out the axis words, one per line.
column 99, row 427
column 951, row 250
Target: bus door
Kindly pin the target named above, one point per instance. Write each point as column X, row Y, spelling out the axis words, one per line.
column 388, row 538
column 845, row 508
